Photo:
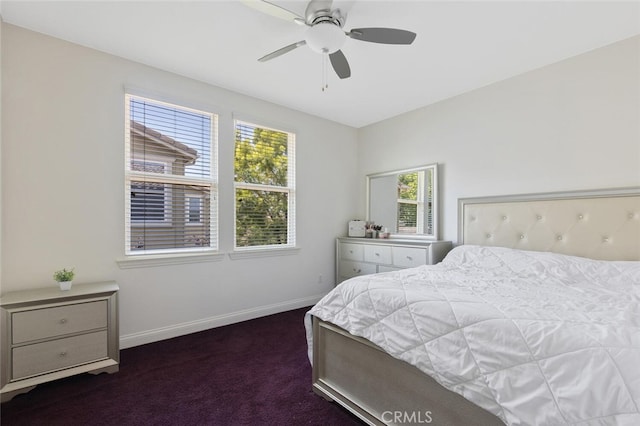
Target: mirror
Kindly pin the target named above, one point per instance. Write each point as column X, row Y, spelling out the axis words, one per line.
column 405, row 201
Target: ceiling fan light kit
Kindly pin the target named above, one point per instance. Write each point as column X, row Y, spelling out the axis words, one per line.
column 325, row 34
column 325, row 37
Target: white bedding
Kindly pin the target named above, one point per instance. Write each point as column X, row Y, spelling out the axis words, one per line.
column 534, row 338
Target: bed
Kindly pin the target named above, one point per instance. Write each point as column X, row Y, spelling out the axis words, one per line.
column 541, row 324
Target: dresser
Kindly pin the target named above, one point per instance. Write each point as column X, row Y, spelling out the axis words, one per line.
column 48, row 334
column 363, row 256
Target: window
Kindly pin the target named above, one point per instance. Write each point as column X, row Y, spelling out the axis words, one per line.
column 410, row 203
column 170, row 178
column 194, row 210
column 264, row 167
column 149, row 200
column 149, row 203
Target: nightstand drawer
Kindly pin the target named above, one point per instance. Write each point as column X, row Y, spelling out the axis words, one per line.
column 377, row 254
column 51, row 322
column 351, row 251
column 54, row 355
column 409, row 257
column 352, row 269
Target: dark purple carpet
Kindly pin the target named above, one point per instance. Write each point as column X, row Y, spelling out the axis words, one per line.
column 252, row 373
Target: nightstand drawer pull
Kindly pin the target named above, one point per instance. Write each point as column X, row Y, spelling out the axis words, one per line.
column 63, row 354
column 63, row 321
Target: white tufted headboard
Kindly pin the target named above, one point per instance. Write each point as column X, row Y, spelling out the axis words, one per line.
column 601, row 224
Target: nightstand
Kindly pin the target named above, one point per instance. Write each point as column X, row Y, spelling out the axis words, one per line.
column 48, row 334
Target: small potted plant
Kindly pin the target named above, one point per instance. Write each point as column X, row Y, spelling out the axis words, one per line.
column 64, row 277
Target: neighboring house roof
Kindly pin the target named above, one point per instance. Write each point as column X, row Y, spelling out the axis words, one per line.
column 172, row 144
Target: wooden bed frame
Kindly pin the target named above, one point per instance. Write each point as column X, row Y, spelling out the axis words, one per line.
column 379, row 389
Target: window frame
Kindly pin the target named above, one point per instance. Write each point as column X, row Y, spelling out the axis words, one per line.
column 209, row 182
column 289, row 189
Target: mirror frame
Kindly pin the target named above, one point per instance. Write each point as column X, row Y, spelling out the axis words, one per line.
column 435, row 203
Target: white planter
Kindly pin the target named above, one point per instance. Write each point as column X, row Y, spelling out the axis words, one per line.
column 65, row 285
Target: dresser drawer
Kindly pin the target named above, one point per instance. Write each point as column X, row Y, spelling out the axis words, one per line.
column 351, row 251
column 350, row 269
column 51, row 322
column 385, row 268
column 377, row 254
column 409, row 257
column 45, row 357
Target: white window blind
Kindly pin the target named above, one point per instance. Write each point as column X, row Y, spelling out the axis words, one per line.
column 264, row 166
column 170, row 178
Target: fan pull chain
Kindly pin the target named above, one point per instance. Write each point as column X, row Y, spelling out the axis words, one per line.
column 325, row 58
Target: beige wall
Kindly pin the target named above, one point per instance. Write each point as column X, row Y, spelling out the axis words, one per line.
column 63, row 190
column 568, row 126
column 571, row 125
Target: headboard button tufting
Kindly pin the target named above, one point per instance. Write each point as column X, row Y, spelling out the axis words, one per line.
column 600, row 224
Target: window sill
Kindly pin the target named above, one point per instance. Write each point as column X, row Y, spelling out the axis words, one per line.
column 144, row 261
column 266, row 252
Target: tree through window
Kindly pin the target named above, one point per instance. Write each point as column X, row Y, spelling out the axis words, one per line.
column 264, row 167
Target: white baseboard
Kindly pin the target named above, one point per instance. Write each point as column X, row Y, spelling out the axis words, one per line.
column 155, row 335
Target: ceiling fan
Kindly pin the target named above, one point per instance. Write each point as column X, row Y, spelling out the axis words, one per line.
column 325, row 32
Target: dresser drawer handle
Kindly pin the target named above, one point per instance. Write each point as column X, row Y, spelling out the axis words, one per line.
column 63, row 354
column 409, row 257
column 357, row 271
column 63, row 321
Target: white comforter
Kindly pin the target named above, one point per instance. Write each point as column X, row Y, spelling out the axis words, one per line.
column 535, row 338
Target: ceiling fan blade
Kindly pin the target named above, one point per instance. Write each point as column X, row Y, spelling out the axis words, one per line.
column 340, row 64
column 282, row 51
column 273, row 9
column 382, row 35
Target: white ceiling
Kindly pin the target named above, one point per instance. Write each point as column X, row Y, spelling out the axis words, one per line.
column 460, row 45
